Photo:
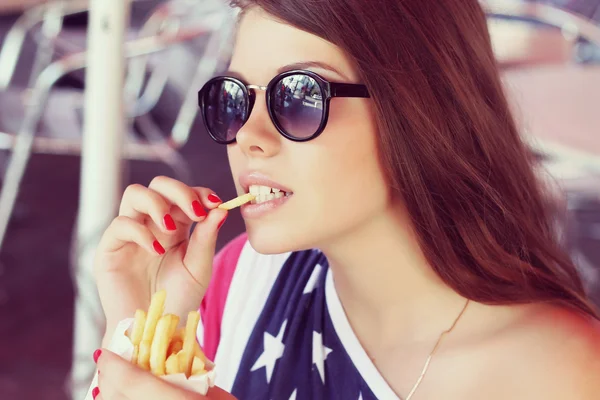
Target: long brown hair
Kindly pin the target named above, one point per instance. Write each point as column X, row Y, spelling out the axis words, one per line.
column 449, row 144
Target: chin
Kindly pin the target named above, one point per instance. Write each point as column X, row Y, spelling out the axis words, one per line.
column 275, row 241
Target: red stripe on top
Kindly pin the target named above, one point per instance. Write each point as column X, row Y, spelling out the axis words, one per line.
column 214, row 300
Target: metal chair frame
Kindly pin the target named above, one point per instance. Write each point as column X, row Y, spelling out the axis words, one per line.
column 162, row 32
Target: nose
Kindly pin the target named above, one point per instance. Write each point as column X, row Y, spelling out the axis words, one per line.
column 258, row 137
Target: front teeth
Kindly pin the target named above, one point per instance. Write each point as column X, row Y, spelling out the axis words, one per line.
column 254, row 190
column 265, row 193
column 261, row 198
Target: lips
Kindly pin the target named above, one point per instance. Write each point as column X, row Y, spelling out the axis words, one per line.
column 260, row 184
column 265, row 193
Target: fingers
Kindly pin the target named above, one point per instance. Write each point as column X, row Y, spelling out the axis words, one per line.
column 113, row 397
column 201, row 247
column 191, row 201
column 216, row 393
column 208, row 198
column 96, row 394
column 139, row 202
column 119, row 379
column 170, row 205
column 167, row 201
column 123, row 230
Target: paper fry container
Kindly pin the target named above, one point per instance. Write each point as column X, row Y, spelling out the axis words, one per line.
column 121, row 345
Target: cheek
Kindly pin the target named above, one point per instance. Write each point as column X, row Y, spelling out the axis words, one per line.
column 353, row 167
column 338, row 184
column 346, row 181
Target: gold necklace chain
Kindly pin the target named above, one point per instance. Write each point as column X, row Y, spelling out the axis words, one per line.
column 437, row 344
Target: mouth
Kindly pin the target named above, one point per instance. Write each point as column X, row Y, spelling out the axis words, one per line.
column 263, row 194
column 269, row 195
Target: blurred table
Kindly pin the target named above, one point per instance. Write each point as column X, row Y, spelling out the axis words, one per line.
column 11, row 6
column 558, row 103
column 518, row 43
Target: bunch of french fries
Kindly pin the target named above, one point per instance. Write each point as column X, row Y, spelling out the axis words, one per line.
column 159, row 346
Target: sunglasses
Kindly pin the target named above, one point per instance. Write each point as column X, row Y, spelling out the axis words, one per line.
column 297, row 101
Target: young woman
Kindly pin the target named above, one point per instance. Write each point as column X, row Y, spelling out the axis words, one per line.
column 401, row 247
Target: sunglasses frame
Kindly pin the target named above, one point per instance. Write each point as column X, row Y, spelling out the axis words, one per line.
column 329, row 90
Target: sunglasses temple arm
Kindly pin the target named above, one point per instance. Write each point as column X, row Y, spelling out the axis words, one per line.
column 348, row 90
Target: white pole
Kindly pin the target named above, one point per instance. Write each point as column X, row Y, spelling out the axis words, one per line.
column 100, row 182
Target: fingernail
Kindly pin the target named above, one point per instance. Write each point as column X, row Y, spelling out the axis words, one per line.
column 213, row 198
column 158, row 248
column 222, row 222
column 95, row 392
column 198, row 209
column 169, row 223
column 97, row 355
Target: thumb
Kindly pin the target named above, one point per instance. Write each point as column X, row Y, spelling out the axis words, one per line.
column 200, row 252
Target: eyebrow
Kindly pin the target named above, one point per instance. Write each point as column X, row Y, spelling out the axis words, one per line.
column 299, row 65
column 311, row 64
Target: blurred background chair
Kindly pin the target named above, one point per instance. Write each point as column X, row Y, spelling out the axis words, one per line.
column 23, row 111
column 550, row 63
column 178, row 47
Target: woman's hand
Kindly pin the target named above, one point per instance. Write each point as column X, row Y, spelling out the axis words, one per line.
column 121, row 380
column 148, row 247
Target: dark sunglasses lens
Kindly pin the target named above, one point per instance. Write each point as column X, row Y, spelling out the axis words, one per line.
column 225, row 109
column 297, row 105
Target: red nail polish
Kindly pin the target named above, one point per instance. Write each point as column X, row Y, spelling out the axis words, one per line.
column 158, row 248
column 222, row 222
column 95, row 392
column 169, row 223
column 198, row 209
column 97, row 355
column 213, row 198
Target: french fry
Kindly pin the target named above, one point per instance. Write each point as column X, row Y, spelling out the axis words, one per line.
column 136, row 352
column 172, row 364
column 189, row 341
column 155, row 311
column 238, row 201
column 160, row 343
column 144, row 355
column 181, row 359
column 135, row 335
column 198, row 352
column 175, row 347
column 175, row 344
column 137, row 330
column 173, row 327
column 179, row 334
column 197, row 366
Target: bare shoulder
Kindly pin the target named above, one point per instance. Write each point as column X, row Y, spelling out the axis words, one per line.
column 559, row 351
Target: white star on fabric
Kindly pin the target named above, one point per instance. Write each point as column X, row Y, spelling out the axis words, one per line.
column 360, row 396
column 293, row 396
column 320, row 353
column 273, row 350
column 312, row 281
